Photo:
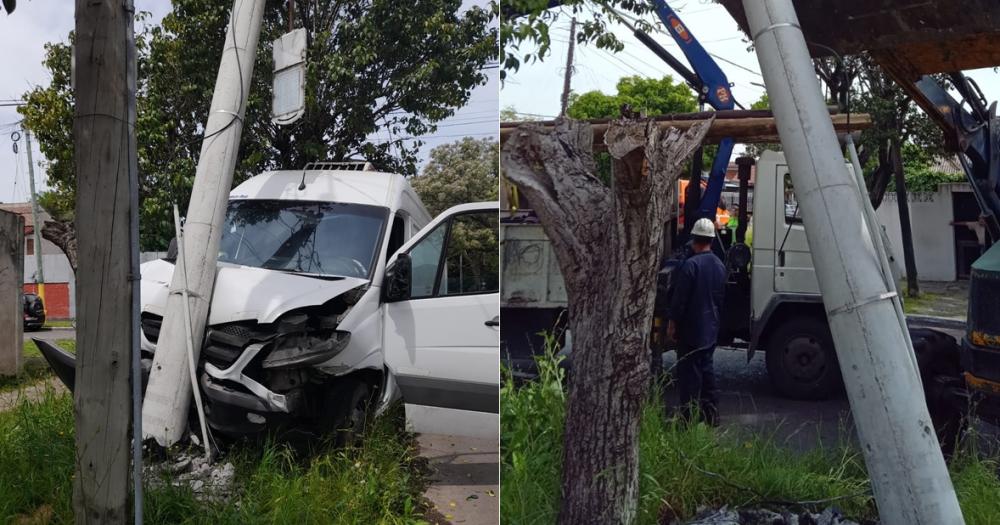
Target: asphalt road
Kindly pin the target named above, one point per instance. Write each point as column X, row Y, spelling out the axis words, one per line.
column 51, row 334
column 748, row 402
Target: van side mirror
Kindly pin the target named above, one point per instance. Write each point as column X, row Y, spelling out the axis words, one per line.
column 396, row 285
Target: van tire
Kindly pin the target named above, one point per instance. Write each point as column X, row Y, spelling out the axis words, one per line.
column 351, row 399
column 801, row 359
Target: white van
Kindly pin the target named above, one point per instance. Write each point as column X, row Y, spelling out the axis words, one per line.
column 315, row 319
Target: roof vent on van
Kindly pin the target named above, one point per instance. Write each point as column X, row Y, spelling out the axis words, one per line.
column 351, row 165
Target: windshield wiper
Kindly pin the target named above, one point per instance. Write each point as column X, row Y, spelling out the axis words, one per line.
column 322, row 276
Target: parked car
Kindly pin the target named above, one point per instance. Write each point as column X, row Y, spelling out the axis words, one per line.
column 34, row 312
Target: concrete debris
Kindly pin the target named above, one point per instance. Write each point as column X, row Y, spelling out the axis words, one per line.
column 210, row 482
column 725, row 516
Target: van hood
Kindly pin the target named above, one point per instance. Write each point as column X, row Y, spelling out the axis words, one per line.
column 244, row 293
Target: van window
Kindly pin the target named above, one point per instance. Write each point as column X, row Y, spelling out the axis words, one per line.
column 471, row 262
column 397, row 236
column 425, row 257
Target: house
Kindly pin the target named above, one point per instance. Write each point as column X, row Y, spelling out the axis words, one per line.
column 60, row 285
column 947, row 234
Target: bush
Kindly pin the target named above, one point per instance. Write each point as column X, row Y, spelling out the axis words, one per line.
column 682, row 467
column 380, row 481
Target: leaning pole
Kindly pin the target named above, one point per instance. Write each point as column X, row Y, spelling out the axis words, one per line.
column 168, row 395
column 909, row 477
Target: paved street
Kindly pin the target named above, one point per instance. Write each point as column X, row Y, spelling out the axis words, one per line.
column 465, row 478
column 748, row 401
column 51, row 334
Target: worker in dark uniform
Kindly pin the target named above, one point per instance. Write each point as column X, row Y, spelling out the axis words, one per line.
column 693, row 322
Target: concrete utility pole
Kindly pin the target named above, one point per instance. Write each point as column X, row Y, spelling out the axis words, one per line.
column 909, row 476
column 168, row 394
column 569, row 68
column 37, row 228
column 105, row 153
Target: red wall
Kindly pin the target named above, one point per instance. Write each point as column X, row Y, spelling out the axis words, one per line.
column 56, row 299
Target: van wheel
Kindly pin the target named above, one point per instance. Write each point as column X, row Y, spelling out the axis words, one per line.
column 351, row 399
column 801, row 360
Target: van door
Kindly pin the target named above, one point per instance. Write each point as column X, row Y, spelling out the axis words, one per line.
column 442, row 328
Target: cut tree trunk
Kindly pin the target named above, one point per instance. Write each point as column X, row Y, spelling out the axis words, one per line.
column 607, row 242
column 63, row 235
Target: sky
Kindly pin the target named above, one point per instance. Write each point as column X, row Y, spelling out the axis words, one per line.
column 534, row 90
column 24, row 33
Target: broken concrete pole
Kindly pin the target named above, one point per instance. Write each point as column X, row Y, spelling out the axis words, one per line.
column 168, row 395
column 909, row 477
column 11, row 279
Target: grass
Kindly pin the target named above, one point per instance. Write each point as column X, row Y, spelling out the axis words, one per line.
column 35, row 368
column 381, row 481
column 920, row 304
column 682, row 467
column 58, row 323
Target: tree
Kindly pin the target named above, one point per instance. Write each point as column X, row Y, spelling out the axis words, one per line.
column 607, row 241
column 463, row 171
column 527, row 22
column 648, row 96
column 373, row 65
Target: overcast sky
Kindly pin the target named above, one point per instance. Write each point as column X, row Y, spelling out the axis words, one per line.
column 535, row 89
column 24, row 34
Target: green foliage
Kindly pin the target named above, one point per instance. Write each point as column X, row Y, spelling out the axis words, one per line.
column 919, row 172
column 526, row 23
column 531, row 439
column 463, row 171
column 649, row 96
column 373, row 65
column 380, row 481
column 682, row 467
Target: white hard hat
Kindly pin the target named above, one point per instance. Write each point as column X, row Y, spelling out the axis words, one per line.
column 703, row 228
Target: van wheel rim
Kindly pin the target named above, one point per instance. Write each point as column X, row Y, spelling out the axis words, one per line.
column 804, row 358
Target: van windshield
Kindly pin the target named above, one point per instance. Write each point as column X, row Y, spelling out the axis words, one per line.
column 320, row 238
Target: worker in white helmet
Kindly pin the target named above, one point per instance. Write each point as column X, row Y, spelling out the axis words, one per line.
column 693, row 321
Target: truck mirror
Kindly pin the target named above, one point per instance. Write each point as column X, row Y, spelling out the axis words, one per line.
column 396, row 285
column 171, row 251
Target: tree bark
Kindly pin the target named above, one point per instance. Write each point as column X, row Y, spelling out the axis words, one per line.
column 607, row 242
column 63, row 235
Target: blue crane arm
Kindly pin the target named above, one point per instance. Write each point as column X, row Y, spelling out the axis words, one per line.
column 714, row 89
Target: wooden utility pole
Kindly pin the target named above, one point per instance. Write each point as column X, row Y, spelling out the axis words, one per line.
column 11, row 277
column 567, row 77
column 903, row 206
column 104, row 136
column 607, row 241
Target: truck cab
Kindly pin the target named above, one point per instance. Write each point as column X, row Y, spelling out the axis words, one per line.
column 772, row 300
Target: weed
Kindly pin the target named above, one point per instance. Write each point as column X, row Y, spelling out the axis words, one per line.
column 682, row 467
column 380, row 481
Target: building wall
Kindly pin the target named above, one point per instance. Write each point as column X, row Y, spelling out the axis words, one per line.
column 58, row 299
column 933, row 235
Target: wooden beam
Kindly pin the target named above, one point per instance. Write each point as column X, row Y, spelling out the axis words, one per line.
column 11, row 286
column 746, row 130
column 104, row 135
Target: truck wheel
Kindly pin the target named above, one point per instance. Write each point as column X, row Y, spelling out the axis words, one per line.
column 351, row 399
column 801, row 360
column 940, row 373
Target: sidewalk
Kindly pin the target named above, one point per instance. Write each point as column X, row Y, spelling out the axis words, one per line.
column 465, row 479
